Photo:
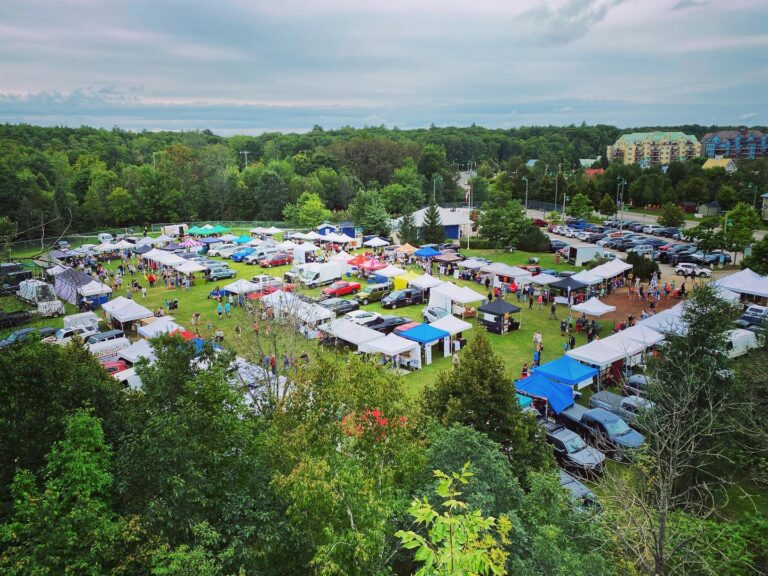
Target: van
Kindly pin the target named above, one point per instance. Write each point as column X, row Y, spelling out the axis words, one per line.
column 372, row 293
column 260, row 253
column 108, row 350
column 740, row 342
column 88, row 319
column 106, row 335
column 105, row 237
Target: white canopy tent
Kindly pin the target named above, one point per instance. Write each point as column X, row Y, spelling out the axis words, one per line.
column 445, row 294
column 587, row 278
column 282, row 303
column 611, row 269
column 288, row 245
column 350, row 332
column 669, row 320
column 727, row 295
column 340, row 257
column 272, row 230
column 257, row 230
column 312, row 235
column 593, row 307
column 393, row 346
column 189, row 267
column 136, row 351
column 312, row 313
column 425, row 281
column 472, row 264
column 390, row 271
column 745, row 282
column 94, row 288
column 332, row 237
column 57, row 269
column 123, row 245
column 300, row 252
column 228, row 237
column 162, row 325
column 162, row 239
column 500, row 269
column 597, row 353
column 452, row 325
column 146, row 241
column 241, row 287
column 106, row 247
column 544, row 279
column 125, row 310
column 344, row 239
column 376, row 242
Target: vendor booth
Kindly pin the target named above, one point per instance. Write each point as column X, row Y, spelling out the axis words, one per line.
column 124, row 311
column 745, row 282
column 543, row 279
column 136, row 351
column 427, row 252
column 568, row 371
column 587, row 278
column 455, row 327
column 376, row 242
column 427, row 335
column 451, row 297
column 74, row 287
column 496, row 316
column 401, row 351
column 593, row 307
column 152, row 327
column 241, row 287
column 568, row 287
column 558, row 396
column 350, row 332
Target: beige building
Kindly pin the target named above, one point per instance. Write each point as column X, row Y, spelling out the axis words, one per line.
column 652, row 148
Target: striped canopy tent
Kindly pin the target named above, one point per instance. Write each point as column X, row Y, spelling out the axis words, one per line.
column 190, row 243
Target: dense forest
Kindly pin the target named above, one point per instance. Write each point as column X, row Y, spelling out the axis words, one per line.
column 83, row 179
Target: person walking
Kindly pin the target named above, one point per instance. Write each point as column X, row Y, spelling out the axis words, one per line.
column 530, row 303
column 228, row 309
column 144, row 292
column 563, row 327
column 219, row 310
column 553, row 312
column 572, row 342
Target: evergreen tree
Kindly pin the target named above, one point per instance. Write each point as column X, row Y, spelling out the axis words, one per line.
column 367, row 211
column 432, row 230
column 671, row 215
column 477, row 392
column 407, row 230
column 607, row 205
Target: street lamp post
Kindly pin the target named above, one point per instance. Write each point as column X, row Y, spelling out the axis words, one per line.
column 525, row 179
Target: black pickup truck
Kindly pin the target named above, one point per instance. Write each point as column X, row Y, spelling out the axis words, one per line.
column 11, row 319
column 604, row 430
column 570, row 450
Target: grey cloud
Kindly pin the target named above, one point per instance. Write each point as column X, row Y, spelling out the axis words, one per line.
column 571, row 21
column 683, row 4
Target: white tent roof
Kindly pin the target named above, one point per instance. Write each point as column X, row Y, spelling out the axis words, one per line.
column 123, row 245
column 345, row 239
column 332, row 237
column 241, row 287
column 125, row 310
column 283, row 303
column 745, row 282
column 258, row 230
column 468, row 295
column 376, row 242
column 425, row 281
column 451, row 324
column 304, row 248
column 472, row 264
column 611, row 269
column 587, row 277
column 340, row 257
column 153, row 254
column 640, row 333
column 287, row 245
column 57, row 269
column 271, row 231
column 727, row 295
column 163, row 238
column 312, row 235
column 667, row 321
column 189, row 267
column 105, row 247
column 351, row 332
column 448, row 216
column 544, row 279
column 390, row 345
column 170, row 259
column 598, row 353
column 146, row 241
column 594, row 307
column 137, row 350
column 500, row 269
column 162, row 325
column 312, row 313
column 390, row 271
column 94, row 288
column 228, row 237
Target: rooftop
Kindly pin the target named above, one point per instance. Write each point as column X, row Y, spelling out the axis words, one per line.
column 636, row 137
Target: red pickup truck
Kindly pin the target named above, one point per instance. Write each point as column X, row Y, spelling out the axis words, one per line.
column 341, row 289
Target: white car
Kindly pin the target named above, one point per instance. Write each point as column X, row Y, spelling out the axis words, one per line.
column 216, row 251
column 652, row 229
column 65, row 335
column 604, row 241
column 362, row 317
column 570, row 233
column 641, row 249
column 610, row 255
column 264, row 281
column 691, row 269
column 582, row 235
column 560, row 229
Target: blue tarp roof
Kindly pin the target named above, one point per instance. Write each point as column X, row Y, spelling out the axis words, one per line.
column 567, row 370
column 559, row 396
column 424, row 333
column 427, row 252
column 210, row 240
column 243, row 239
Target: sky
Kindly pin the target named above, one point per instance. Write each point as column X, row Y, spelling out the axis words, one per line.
column 250, row 66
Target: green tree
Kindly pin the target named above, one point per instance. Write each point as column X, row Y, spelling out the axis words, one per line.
column 407, row 230
column 271, row 194
column 707, row 234
column 68, row 527
column 739, row 225
column 458, row 541
column 727, row 197
column 757, row 261
column 580, row 206
column 480, row 189
column 309, row 211
column 503, row 222
column 399, row 199
column 607, row 205
column 122, row 206
column 367, row 211
column 476, row 392
column 671, row 215
column 432, row 231
column 533, row 240
column 432, row 161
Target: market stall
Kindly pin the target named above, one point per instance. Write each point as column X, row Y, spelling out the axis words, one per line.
column 456, row 328
column 558, row 396
column 496, row 316
column 124, row 311
column 568, row 371
column 427, row 335
column 158, row 326
column 401, row 351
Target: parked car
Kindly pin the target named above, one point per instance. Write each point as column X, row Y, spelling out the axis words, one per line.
column 65, row 335
column 754, row 315
column 400, row 298
column 279, row 259
column 641, row 249
column 219, row 248
column 115, row 366
column 340, row 306
column 636, row 385
column 539, row 222
column 626, row 407
column 388, row 323
column 669, row 231
column 584, row 498
column 228, row 252
column 27, row 335
column 571, row 451
column 362, row 317
column 221, row 273
column 341, row 288
column 434, row 313
column 690, row 269
column 652, row 229
column 106, row 336
column 372, row 293
column 242, row 254
column 15, row 318
column 606, row 431
column 555, row 245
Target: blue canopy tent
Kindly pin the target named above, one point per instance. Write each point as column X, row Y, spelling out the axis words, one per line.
column 568, row 371
column 210, row 240
column 244, row 239
column 427, row 253
column 524, row 401
column 425, row 335
column 559, row 396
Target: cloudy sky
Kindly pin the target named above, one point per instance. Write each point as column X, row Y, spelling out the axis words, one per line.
column 246, row 66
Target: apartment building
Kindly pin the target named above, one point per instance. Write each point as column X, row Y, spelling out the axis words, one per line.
column 652, row 148
column 741, row 143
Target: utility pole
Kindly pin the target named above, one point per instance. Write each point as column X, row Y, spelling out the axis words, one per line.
column 525, row 179
column 245, row 153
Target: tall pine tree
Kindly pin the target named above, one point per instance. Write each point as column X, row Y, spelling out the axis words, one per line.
column 407, row 230
column 432, row 230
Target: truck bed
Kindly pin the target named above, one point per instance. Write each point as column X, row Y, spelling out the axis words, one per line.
column 608, row 400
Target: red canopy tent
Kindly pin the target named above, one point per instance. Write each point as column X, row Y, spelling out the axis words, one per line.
column 372, row 265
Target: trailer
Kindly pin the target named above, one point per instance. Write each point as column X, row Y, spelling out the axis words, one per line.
column 580, row 254
column 42, row 295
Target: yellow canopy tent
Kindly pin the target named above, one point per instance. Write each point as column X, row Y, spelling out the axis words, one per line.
column 405, row 249
column 402, row 280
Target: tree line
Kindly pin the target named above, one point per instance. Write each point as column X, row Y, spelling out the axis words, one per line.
column 83, row 178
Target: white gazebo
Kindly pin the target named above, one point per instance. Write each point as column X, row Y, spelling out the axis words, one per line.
column 593, row 307
column 390, row 271
column 350, row 332
column 376, row 242
column 241, row 287
column 587, row 277
column 162, row 325
column 189, row 267
column 401, row 350
column 136, row 351
column 453, row 326
column 125, row 310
